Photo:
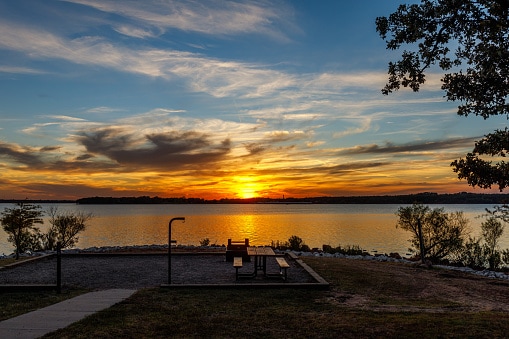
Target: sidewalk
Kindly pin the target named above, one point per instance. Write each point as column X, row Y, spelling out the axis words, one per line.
column 37, row 323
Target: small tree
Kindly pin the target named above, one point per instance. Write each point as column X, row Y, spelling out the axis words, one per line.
column 296, row 243
column 65, row 228
column 443, row 234
column 19, row 222
column 485, row 251
column 472, row 254
column 492, row 230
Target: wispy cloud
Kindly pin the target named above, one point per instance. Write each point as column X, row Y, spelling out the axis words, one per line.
column 103, row 109
column 205, row 17
column 413, row 147
column 20, row 70
column 65, row 118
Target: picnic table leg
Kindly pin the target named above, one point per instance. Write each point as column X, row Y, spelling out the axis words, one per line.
column 255, row 266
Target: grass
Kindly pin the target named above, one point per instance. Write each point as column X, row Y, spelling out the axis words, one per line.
column 17, row 303
column 157, row 313
column 366, row 300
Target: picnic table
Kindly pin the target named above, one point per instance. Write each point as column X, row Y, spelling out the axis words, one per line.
column 260, row 255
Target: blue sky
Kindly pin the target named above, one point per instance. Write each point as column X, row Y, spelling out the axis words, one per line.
column 215, row 99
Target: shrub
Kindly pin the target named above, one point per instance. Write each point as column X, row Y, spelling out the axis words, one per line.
column 472, row 254
column 442, row 234
column 205, row 242
column 348, row 250
column 492, row 230
column 65, row 227
column 505, row 256
column 19, row 223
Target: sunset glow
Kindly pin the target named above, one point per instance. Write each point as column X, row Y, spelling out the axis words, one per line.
column 162, row 98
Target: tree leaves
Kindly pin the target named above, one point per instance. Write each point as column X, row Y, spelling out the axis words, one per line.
column 481, row 172
column 469, row 37
column 469, row 41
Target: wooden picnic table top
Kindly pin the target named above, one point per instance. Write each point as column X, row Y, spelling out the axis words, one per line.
column 265, row 251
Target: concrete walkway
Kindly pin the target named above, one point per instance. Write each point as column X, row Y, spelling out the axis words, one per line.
column 40, row 322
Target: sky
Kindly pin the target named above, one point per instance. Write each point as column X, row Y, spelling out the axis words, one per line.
column 216, row 99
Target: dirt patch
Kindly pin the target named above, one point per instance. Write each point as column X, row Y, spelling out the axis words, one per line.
column 398, row 287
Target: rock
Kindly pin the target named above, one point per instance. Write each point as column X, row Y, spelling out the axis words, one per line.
column 395, row 256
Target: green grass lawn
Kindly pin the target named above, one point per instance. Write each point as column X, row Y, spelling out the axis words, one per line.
column 159, row 313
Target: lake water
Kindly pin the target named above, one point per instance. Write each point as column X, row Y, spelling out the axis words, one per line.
column 372, row 227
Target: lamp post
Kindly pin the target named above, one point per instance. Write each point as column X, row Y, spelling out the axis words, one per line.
column 169, row 246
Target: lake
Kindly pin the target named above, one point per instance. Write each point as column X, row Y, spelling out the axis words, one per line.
column 372, row 227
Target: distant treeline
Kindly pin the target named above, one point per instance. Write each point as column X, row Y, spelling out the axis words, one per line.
column 139, row 200
column 36, row 201
column 422, row 198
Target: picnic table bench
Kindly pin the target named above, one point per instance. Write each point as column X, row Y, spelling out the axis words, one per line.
column 237, row 263
column 237, row 249
column 283, row 266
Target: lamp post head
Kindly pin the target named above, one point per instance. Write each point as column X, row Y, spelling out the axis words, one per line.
column 178, row 218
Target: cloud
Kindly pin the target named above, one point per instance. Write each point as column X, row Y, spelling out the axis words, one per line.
column 49, row 158
column 204, row 17
column 134, row 32
column 164, row 151
column 49, row 148
column 365, row 126
column 103, row 109
column 64, row 118
column 27, row 156
column 20, row 70
column 282, row 136
column 425, row 146
column 215, row 77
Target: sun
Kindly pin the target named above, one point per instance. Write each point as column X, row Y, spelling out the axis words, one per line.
column 247, row 193
column 246, row 187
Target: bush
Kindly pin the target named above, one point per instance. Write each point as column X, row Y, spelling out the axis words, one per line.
column 294, row 243
column 19, row 223
column 348, row 250
column 65, row 228
column 443, row 234
column 505, row 256
column 492, row 230
column 472, row 254
column 205, row 242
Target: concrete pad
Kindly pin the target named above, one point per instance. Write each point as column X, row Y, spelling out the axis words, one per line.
column 40, row 322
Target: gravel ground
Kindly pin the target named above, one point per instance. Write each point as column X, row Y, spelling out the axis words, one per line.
column 139, row 271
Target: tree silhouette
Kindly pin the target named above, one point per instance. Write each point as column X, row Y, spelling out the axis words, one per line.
column 469, row 41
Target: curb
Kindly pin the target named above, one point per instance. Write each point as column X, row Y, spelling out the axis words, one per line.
column 321, row 284
column 27, row 261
